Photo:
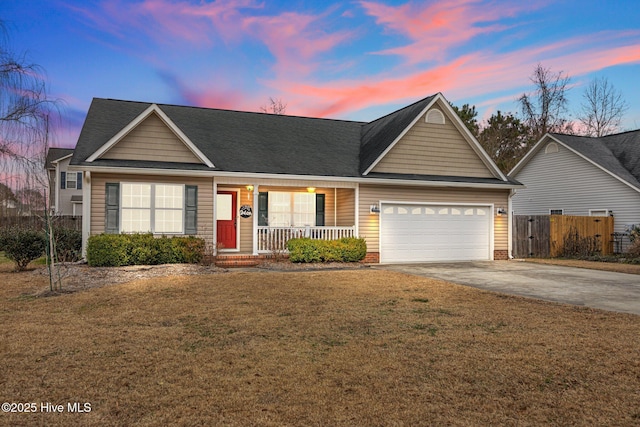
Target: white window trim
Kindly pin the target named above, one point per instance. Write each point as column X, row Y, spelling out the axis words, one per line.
column 74, row 180
column 593, row 211
column 152, row 208
column 561, row 211
column 292, row 210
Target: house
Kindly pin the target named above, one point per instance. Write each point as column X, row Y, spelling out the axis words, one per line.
column 578, row 175
column 65, row 187
column 414, row 183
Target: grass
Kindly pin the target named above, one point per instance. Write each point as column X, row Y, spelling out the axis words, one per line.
column 593, row 265
column 314, row 348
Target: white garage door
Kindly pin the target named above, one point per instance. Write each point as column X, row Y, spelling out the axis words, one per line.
column 416, row 233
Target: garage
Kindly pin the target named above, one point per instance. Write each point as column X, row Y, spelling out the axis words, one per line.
column 426, row 232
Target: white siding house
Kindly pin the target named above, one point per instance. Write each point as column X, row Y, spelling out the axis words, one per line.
column 583, row 176
column 65, row 186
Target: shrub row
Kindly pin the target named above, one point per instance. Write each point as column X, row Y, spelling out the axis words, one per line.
column 348, row 249
column 114, row 250
column 23, row 245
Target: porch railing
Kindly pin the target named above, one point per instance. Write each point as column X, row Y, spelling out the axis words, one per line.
column 275, row 238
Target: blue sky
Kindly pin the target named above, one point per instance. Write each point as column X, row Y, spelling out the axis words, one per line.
column 351, row 60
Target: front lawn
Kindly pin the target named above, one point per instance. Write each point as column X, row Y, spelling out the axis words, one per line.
column 356, row 347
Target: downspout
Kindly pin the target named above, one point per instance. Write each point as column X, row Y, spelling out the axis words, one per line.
column 510, row 223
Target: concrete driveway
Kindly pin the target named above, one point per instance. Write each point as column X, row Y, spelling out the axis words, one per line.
column 577, row 286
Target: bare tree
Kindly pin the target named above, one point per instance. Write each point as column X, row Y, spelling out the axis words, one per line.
column 603, row 108
column 276, row 106
column 25, row 114
column 545, row 109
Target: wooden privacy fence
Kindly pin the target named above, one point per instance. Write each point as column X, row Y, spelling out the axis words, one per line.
column 65, row 221
column 544, row 236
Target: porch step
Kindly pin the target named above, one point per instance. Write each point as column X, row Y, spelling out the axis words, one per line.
column 231, row 261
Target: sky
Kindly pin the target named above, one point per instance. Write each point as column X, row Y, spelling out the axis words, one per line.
column 354, row 60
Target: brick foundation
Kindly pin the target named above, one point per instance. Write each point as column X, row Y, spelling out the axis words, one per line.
column 230, row 261
column 500, row 255
column 372, row 258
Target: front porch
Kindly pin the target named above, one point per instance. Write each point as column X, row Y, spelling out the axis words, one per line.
column 256, row 220
column 274, row 239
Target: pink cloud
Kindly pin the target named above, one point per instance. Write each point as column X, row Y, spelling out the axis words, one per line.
column 294, row 39
column 437, row 27
column 467, row 76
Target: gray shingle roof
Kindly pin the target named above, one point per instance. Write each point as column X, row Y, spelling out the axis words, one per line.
column 54, row 154
column 379, row 134
column 619, row 153
column 238, row 141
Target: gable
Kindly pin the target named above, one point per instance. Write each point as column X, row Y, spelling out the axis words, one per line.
column 151, row 140
column 558, row 178
column 432, row 148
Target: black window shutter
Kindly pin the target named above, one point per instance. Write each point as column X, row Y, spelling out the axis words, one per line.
column 79, row 181
column 320, row 209
column 190, row 209
column 112, row 208
column 63, row 180
column 263, row 209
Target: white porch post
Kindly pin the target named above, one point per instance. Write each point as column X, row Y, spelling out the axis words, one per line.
column 256, row 193
column 357, row 221
column 214, row 232
column 56, row 184
column 86, row 211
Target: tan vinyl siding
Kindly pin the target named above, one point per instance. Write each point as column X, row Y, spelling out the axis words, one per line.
column 373, row 194
column 433, row 149
column 246, row 224
column 151, row 140
column 205, row 198
column 346, row 207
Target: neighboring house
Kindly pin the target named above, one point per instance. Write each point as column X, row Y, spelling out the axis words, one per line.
column 415, row 183
column 577, row 175
column 65, row 186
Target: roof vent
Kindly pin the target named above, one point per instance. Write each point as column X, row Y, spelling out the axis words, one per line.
column 551, row 148
column 435, row 116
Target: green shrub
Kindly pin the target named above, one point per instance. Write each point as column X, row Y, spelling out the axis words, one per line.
column 108, row 250
column 142, row 249
column 188, row 249
column 22, row 245
column 68, row 243
column 348, row 249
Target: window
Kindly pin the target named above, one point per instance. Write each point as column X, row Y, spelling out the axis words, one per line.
column 72, row 180
column 556, row 211
column 435, row 116
column 291, row 209
column 552, row 147
column 156, row 208
column 598, row 212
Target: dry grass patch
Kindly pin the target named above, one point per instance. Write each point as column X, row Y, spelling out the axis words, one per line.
column 593, row 265
column 314, row 348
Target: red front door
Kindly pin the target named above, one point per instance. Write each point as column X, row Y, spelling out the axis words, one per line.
column 226, row 217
